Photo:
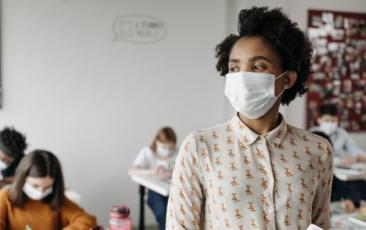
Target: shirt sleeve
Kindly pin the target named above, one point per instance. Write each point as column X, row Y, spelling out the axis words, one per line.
column 75, row 218
column 321, row 202
column 350, row 146
column 186, row 192
column 142, row 159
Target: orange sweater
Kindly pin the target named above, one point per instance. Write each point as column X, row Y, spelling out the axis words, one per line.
column 39, row 216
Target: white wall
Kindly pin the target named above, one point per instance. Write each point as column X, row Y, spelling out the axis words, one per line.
column 297, row 11
column 95, row 102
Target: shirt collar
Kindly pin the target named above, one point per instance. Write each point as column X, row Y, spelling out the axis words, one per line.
column 247, row 136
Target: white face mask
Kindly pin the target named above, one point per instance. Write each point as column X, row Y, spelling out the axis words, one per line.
column 3, row 165
column 328, row 127
column 34, row 193
column 163, row 151
column 252, row 94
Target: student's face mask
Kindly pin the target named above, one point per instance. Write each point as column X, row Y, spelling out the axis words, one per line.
column 36, row 194
column 3, row 165
column 328, row 127
column 163, row 151
column 252, row 94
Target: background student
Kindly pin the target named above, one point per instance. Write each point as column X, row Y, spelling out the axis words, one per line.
column 345, row 149
column 12, row 147
column 342, row 191
column 36, row 198
column 157, row 159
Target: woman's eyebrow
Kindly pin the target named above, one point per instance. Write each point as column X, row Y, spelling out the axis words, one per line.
column 256, row 58
column 232, row 60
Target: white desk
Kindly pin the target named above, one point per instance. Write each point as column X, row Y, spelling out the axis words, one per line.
column 354, row 172
column 73, row 196
column 340, row 220
column 153, row 183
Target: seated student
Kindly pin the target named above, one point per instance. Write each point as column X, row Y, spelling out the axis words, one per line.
column 12, row 146
column 36, row 198
column 157, row 159
column 342, row 191
column 344, row 146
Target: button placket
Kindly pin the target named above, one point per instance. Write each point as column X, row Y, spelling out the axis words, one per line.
column 263, row 145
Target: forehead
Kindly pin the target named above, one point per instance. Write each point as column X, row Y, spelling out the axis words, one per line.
column 165, row 142
column 42, row 181
column 328, row 117
column 248, row 47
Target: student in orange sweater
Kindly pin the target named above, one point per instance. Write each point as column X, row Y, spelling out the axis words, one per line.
column 36, row 198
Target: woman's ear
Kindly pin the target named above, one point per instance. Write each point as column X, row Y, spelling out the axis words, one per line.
column 290, row 79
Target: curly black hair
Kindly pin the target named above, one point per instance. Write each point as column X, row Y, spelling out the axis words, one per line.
column 14, row 141
column 284, row 36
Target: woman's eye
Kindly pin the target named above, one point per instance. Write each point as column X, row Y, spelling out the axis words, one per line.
column 258, row 67
column 234, row 69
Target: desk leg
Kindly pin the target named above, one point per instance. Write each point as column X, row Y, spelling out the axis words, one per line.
column 142, row 207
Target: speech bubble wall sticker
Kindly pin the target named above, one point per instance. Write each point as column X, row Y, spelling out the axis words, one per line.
column 139, row 29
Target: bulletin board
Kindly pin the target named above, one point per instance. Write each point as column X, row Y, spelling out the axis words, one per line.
column 339, row 66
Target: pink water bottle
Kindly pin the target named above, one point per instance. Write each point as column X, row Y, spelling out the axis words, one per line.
column 120, row 218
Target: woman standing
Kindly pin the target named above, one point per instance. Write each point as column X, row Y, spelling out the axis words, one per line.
column 256, row 171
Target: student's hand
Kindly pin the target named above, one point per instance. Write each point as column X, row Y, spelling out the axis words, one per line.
column 348, row 206
column 361, row 158
column 167, row 174
column 159, row 170
column 162, row 172
column 347, row 161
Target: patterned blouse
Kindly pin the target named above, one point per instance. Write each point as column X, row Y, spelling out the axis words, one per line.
column 229, row 177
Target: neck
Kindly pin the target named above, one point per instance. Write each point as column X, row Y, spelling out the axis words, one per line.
column 265, row 123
